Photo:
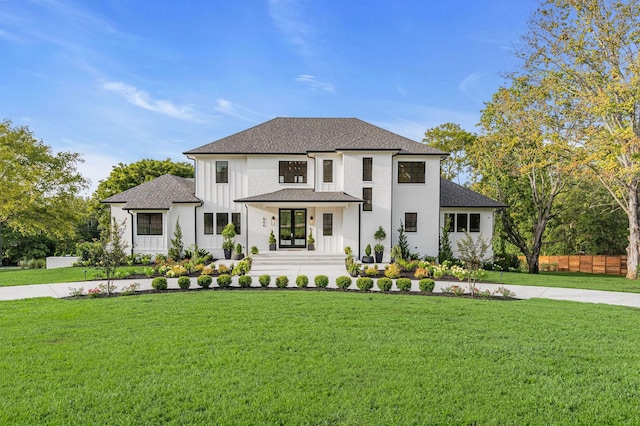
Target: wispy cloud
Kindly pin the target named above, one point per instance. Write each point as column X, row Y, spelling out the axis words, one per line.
column 289, row 17
column 314, row 84
column 142, row 99
column 469, row 86
column 231, row 109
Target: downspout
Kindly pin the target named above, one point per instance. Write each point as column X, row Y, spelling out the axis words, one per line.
column 195, row 225
column 359, row 229
column 132, row 233
column 391, row 218
column 246, row 228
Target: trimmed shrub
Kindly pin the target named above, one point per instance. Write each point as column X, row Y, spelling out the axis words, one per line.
column 205, row 281
column 393, row 271
column 422, row 273
column 403, row 284
column 184, row 283
column 282, row 281
column 244, row 281
column 159, row 283
column 209, row 269
column 343, row 282
column 364, row 283
column 264, row 280
column 426, row 285
column 384, row 284
column 321, row 281
column 224, row 281
column 302, row 281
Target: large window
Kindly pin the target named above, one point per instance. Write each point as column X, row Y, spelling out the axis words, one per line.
column 149, row 223
column 222, row 172
column 461, row 222
column 293, row 172
column 367, row 196
column 221, row 221
column 327, row 171
column 474, row 222
column 327, row 224
column 208, row 223
column 411, row 222
column 367, row 169
column 450, row 219
column 235, row 219
column 411, row 172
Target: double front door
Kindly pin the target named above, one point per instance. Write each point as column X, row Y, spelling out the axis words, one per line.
column 293, row 228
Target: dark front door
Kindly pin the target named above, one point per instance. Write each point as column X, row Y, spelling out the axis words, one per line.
column 293, row 228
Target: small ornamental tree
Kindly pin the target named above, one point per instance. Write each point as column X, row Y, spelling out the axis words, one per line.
column 403, row 243
column 177, row 246
column 113, row 252
column 445, row 252
column 473, row 254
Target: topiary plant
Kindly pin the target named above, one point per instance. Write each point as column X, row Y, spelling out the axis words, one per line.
column 282, row 281
column 343, row 282
column 159, row 283
column 364, row 283
column 205, row 281
column 426, row 285
column 184, row 283
column 302, row 281
column 224, row 281
column 244, row 281
column 254, row 250
column 321, row 281
column 264, row 280
column 367, row 250
column 403, row 284
column 384, row 284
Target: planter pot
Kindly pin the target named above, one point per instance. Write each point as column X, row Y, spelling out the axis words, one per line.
column 238, row 256
column 272, row 247
column 311, row 247
column 227, row 254
column 379, row 257
column 367, row 259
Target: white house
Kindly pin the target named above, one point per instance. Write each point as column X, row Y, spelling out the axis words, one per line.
column 338, row 179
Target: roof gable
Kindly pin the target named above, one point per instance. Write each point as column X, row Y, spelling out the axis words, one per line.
column 301, row 135
column 157, row 194
column 454, row 195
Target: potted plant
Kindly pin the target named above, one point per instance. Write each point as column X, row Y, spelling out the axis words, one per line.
column 311, row 241
column 349, row 258
column 238, row 254
column 367, row 258
column 228, row 244
column 272, row 241
column 379, row 236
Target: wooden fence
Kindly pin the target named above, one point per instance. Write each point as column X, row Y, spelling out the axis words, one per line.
column 597, row 264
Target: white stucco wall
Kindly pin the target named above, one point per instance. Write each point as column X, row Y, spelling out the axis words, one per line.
column 486, row 227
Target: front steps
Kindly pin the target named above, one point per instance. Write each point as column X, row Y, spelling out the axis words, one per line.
column 294, row 263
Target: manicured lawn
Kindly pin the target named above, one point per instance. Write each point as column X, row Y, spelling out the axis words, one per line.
column 296, row 357
column 12, row 276
column 567, row 280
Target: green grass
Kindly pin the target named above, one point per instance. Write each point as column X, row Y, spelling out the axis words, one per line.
column 295, row 357
column 12, row 276
column 567, row 280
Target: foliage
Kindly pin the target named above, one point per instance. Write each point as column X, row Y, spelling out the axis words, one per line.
column 396, row 252
column 473, row 255
column 384, row 284
column 176, row 251
column 367, row 250
column 454, row 289
column 451, row 138
column 204, row 281
column 32, row 264
column 353, row 269
column 112, row 254
column 223, row 269
column 159, row 283
column 208, row 269
column 403, row 284
column 393, row 271
column 343, row 282
column 196, row 254
column 379, row 236
column 403, row 243
column 130, row 289
column 245, row 281
column 264, row 280
column 321, row 281
column 504, row 292
column 348, row 251
column 364, row 283
column 94, row 292
column 228, row 235
column 76, row 292
column 224, row 281
column 272, row 238
column 184, row 283
column 302, row 281
column 371, row 271
column 378, row 248
column 310, row 239
column 445, row 252
column 238, row 248
column 241, row 268
column 254, row 250
column 422, row 273
column 282, row 281
column 426, row 285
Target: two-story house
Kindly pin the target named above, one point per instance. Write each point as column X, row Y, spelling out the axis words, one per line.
column 338, row 179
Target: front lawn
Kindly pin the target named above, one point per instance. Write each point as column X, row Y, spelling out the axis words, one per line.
column 12, row 276
column 566, row 280
column 296, row 357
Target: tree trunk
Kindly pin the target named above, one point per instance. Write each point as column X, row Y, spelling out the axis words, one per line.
column 633, row 249
column 1, row 253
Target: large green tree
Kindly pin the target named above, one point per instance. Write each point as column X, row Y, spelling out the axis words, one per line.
column 590, row 50
column 126, row 176
column 39, row 188
column 451, row 138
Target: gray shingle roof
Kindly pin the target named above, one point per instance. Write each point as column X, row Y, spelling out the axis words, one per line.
column 302, row 135
column 454, row 195
column 301, row 196
column 157, row 194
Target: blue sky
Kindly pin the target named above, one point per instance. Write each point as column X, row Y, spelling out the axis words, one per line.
column 122, row 80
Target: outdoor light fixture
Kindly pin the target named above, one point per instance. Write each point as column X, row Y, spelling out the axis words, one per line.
column 273, row 220
column 311, row 220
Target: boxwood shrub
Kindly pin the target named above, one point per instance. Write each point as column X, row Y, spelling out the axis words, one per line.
column 264, row 280
column 403, row 284
column 159, row 283
column 384, row 284
column 343, row 282
column 426, row 285
column 364, row 283
column 244, row 281
column 224, row 281
column 184, row 283
column 205, row 281
column 321, row 281
column 282, row 281
column 302, row 281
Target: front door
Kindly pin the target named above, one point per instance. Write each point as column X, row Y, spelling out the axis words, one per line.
column 293, row 228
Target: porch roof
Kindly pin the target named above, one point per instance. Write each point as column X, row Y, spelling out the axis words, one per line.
column 301, row 196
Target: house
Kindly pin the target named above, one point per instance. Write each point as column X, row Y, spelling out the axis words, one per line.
column 338, row 179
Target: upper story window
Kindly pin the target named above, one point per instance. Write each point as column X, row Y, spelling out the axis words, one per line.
column 327, row 171
column 149, row 223
column 367, row 196
column 221, row 221
column 367, row 169
column 293, row 172
column 411, row 172
column 235, row 219
column 450, row 221
column 222, row 172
